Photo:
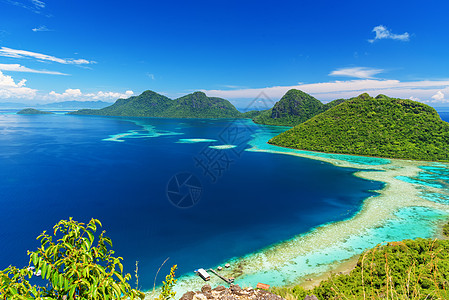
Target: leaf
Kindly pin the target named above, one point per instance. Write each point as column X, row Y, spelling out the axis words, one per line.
column 43, row 270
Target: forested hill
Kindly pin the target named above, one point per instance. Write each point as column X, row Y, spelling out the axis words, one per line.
column 381, row 126
column 294, row 108
column 32, row 111
column 151, row 104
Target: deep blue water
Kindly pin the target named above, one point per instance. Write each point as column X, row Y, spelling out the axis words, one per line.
column 55, row 166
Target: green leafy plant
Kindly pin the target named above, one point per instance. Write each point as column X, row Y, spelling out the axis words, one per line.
column 75, row 266
column 167, row 285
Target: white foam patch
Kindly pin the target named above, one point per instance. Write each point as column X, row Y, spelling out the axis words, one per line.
column 146, row 131
column 223, row 147
column 190, row 141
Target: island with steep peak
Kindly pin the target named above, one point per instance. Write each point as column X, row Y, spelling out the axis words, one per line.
column 152, row 104
column 294, row 108
column 380, row 127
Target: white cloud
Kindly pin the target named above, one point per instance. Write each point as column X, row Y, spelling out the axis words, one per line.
column 19, row 68
column 10, row 89
column 383, row 32
column 357, row 72
column 76, row 94
column 38, row 4
column 41, row 28
column 8, row 52
column 151, row 76
column 438, row 97
column 344, row 89
column 35, row 6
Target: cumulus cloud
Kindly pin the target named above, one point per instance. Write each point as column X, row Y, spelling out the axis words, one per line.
column 10, row 89
column 438, row 97
column 76, row 94
column 8, row 52
column 19, row 68
column 344, row 89
column 357, row 72
column 383, row 32
column 41, row 28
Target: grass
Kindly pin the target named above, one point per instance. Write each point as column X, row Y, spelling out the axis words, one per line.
column 411, row 269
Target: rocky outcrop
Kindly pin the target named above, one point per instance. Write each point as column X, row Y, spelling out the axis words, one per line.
column 234, row 292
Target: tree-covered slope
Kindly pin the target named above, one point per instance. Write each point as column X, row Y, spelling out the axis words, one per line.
column 147, row 104
column 294, row 108
column 198, row 105
column 151, row 104
column 381, row 126
column 251, row 114
column 32, row 111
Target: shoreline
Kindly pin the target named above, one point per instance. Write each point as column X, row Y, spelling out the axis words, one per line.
column 270, row 263
column 397, row 211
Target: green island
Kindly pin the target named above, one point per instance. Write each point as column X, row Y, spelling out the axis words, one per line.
column 152, row 104
column 33, row 111
column 294, row 108
column 380, row 127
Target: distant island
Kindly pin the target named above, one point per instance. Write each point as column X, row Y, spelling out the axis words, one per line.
column 294, row 108
column 75, row 104
column 152, row 104
column 381, row 127
column 32, row 111
column 69, row 105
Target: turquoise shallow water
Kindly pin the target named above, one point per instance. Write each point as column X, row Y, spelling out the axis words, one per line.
column 260, row 138
column 117, row 170
column 434, row 175
column 409, row 223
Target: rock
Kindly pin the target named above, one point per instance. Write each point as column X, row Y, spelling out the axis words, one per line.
column 312, row 297
column 234, row 292
column 187, row 296
column 235, row 288
column 219, row 288
column 199, row 297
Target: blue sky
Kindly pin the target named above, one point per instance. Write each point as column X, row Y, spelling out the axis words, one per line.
column 102, row 50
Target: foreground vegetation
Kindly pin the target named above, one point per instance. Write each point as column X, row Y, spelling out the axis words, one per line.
column 75, row 264
column 381, row 126
column 411, row 269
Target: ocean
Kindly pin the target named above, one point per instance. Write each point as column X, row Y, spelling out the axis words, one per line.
column 129, row 174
